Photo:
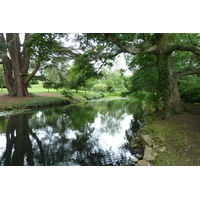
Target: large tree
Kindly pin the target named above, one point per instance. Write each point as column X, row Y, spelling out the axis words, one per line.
column 164, row 47
column 17, row 56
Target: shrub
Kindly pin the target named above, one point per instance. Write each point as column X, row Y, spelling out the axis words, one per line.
column 190, row 89
column 67, row 93
column 34, row 82
column 124, row 94
column 93, row 96
column 102, row 94
column 110, row 89
column 100, row 88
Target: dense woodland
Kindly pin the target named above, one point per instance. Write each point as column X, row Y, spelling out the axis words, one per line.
column 164, row 67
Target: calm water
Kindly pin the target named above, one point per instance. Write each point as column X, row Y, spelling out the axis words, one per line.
column 94, row 134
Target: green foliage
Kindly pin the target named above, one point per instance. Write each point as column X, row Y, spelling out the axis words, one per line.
column 56, row 70
column 67, row 93
column 35, row 102
column 100, row 88
column 2, row 83
column 48, row 84
column 189, row 88
column 143, row 82
column 43, row 45
column 55, row 85
column 2, row 49
column 34, row 82
column 93, row 96
column 113, row 94
column 81, row 74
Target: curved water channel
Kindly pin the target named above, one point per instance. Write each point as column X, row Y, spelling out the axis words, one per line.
column 87, row 134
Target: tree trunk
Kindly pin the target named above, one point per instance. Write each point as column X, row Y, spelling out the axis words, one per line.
column 16, row 65
column 168, row 80
column 174, row 103
column 168, row 95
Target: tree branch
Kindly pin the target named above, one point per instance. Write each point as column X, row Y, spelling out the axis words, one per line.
column 30, row 76
column 188, row 72
column 193, row 49
column 192, row 42
column 131, row 49
column 2, row 38
column 135, row 38
column 25, row 58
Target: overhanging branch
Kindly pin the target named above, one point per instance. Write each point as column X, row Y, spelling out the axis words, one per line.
column 194, row 49
column 30, row 76
column 188, row 72
column 129, row 49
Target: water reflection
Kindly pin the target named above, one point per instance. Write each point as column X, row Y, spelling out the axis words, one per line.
column 95, row 134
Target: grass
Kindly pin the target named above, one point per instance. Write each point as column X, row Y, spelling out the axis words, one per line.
column 34, row 102
column 3, row 91
column 38, row 101
column 38, row 88
column 181, row 147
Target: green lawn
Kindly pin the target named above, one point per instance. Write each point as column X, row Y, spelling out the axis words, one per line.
column 3, row 91
column 34, row 89
column 40, row 89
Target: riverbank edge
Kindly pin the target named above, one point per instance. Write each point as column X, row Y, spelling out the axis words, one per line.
column 152, row 147
column 171, row 142
column 14, row 108
column 33, row 103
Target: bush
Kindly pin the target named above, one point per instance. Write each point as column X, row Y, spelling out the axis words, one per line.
column 67, row 93
column 110, row 89
column 113, row 94
column 124, row 94
column 93, row 96
column 102, row 94
column 100, row 88
column 190, row 89
column 34, row 82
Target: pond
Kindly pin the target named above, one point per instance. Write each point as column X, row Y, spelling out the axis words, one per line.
column 98, row 133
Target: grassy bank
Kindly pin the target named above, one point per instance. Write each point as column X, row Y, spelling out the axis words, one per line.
column 180, row 134
column 14, row 103
column 43, row 100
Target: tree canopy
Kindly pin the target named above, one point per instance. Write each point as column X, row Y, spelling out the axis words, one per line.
column 161, row 50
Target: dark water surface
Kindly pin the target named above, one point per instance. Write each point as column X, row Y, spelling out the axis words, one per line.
column 94, row 134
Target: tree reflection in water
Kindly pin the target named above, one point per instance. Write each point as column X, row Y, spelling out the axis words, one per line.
column 19, row 147
column 92, row 134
